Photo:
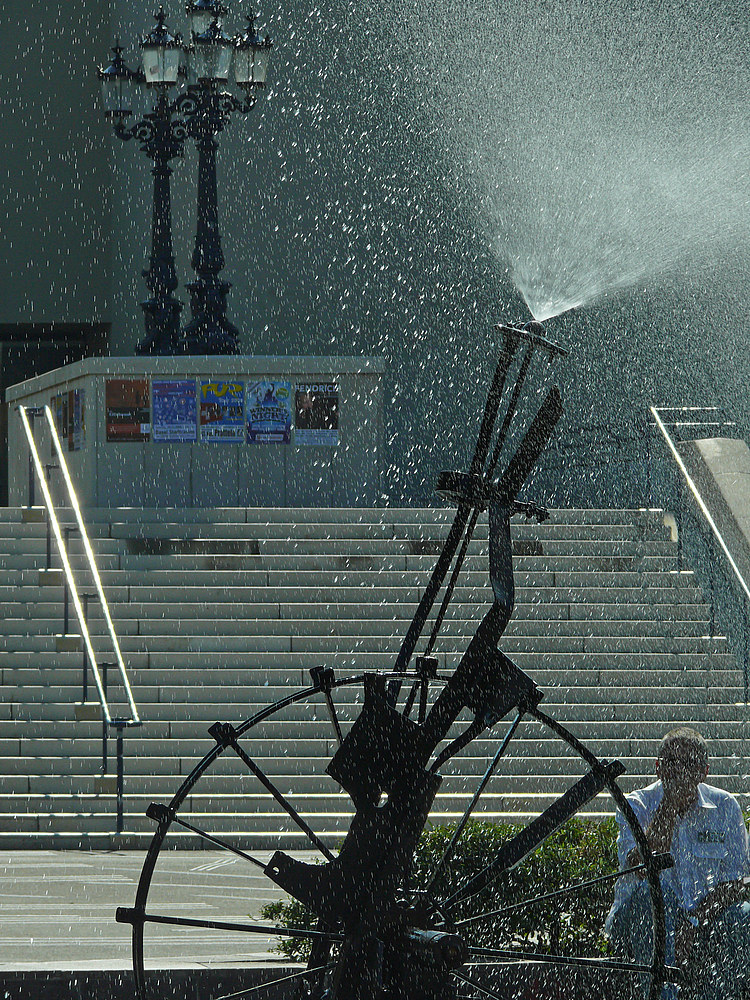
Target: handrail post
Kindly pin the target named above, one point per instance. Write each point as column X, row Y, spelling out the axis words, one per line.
column 66, row 607
column 104, row 721
column 119, row 725
column 32, row 481
column 85, row 678
column 746, row 657
column 49, row 541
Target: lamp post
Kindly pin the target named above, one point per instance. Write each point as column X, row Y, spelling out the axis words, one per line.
column 200, row 112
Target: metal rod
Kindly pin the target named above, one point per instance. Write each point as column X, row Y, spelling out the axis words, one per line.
column 460, row 519
column 452, row 582
column 275, row 982
column 89, row 552
column 32, row 480
column 105, row 726
column 424, row 689
column 409, row 703
column 85, row 686
column 333, row 715
column 482, row 989
column 219, row 842
column 470, row 808
column 49, row 542
column 665, row 860
column 571, row 960
column 25, row 414
column 511, row 410
column 283, row 802
column 119, row 726
column 127, row 915
column 532, row 836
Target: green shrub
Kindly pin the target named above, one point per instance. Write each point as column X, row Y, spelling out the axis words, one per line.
column 572, row 924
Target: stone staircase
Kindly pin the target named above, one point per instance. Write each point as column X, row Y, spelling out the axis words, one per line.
column 221, row 612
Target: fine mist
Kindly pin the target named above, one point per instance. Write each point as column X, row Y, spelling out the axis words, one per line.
column 606, row 145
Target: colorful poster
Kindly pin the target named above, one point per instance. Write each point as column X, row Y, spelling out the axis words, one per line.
column 316, row 413
column 59, row 406
column 128, row 413
column 269, row 412
column 76, row 419
column 222, row 411
column 174, row 405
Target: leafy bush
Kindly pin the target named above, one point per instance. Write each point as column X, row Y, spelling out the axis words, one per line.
column 572, row 924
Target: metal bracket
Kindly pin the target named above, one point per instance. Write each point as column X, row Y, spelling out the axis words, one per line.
column 323, row 678
column 160, row 813
column 224, row 733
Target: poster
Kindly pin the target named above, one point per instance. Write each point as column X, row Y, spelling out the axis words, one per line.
column 127, row 409
column 316, row 413
column 76, row 419
column 174, row 406
column 222, row 411
column 269, row 412
column 59, row 406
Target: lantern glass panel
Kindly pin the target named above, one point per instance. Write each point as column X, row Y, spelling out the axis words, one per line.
column 114, row 96
column 161, row 65
column 212, row 61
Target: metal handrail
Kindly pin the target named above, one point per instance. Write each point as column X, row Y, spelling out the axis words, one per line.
column 119, row 724
column 703, row 507
column 134, row 720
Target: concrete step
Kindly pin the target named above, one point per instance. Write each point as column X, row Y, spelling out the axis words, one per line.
column 334, row 515
column 224, row 612
column 186, row 639
column 374, row 530
column 520, row 774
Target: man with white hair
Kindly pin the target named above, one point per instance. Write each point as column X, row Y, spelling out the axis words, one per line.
column 707, row 917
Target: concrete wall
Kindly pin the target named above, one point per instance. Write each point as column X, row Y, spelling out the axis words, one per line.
column 209, row 473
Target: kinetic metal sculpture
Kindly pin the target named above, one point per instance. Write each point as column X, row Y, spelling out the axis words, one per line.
column 376, row 938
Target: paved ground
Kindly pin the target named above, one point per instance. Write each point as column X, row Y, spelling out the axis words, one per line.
column 57, row 910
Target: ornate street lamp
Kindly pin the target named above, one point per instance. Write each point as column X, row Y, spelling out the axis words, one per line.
column 210, row 60
column 201, row 113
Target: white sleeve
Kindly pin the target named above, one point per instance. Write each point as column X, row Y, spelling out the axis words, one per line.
column 737, row 863
column 625, row 839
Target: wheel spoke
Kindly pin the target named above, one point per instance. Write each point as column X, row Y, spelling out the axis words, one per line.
column 477, row 794
column 131, row 915
column 334, row 717
column 671, row 973
column 219, row 842
column 285, row 804
column 482, row 989
column 662, row 861
column 275, row 982
column 409, row 704
column 532, row 836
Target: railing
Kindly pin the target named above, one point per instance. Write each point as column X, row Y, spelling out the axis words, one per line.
column 674, row 488
column 38, row 473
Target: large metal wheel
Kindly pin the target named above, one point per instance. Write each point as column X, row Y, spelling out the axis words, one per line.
column 430, row 926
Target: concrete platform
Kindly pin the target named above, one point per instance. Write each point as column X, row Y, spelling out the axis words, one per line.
column 57, row 911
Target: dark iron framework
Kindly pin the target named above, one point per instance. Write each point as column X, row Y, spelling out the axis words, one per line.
column 377, row 938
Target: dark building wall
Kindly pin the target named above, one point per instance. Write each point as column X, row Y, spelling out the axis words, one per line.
column 55, row 165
